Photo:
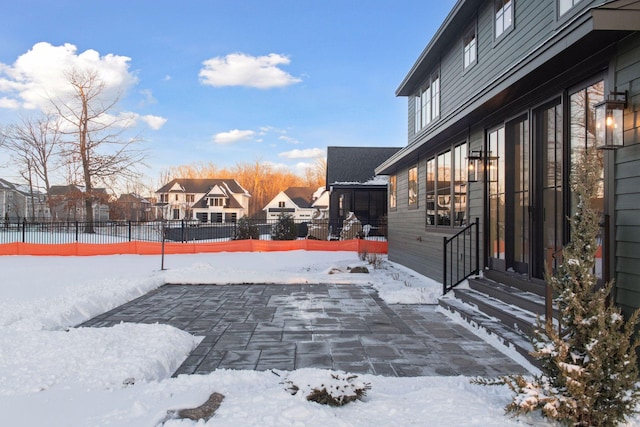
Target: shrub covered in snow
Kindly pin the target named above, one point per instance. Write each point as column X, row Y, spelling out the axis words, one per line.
column 326, row 387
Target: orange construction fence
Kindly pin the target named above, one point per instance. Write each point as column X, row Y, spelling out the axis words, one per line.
column 154, row 248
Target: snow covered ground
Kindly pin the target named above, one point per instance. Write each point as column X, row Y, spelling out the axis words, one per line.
column 53, row 374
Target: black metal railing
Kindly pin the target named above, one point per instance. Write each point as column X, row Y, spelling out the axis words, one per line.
column 461, row 256
column 191, row 231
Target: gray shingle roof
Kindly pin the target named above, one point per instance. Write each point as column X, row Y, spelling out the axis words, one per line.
column 355, row 164
column 301, row 196
column 202, row 185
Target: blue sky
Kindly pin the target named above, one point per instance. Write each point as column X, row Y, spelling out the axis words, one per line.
column 228, row 81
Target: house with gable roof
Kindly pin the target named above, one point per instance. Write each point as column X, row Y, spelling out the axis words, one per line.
column 355, row 187
column 18, row 202
column 299, row 202
column 207, row 200
column 67, row 203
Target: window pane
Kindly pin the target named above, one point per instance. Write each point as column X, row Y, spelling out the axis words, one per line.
column 413, row 186
column 435, row 96
column 444, row 199
column 430, row 190
column 392, row 191
column 460, row 185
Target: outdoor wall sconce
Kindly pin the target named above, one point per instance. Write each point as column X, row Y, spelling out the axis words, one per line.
column 477, row 160
column 475, row 163
column 610, row 121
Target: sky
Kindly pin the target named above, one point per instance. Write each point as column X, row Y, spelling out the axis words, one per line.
column 225, row 81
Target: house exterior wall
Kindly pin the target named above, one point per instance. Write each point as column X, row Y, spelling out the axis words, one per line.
column 544, row 58
column 274, row 210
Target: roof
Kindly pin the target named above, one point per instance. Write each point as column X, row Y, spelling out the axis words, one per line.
column 355, row 164
column 132, row 198
column 20, row 188
column 62, row 190
column 303, row 197
column 202, row 185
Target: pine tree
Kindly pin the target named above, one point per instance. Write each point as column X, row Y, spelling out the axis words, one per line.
column 246, row 230
column 589, row 369
column 285, row 228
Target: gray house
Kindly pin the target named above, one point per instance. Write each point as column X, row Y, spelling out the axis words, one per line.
column 354, row 186
column 501, row 103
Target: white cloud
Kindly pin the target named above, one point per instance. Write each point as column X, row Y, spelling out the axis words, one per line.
column 232, row 136
column 39, row 74
column 239, row 69
column 9, row 103
column 308, row 153
column 154, row 122
column 288, row 139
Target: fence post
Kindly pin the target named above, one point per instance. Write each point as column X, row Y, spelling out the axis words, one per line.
column 129, row 230
column 77, row 230
column 183, row 232
column 24, row 230
column 477, row 245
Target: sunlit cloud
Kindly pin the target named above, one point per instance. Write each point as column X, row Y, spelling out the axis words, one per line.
column 40, row 75
column 309, row 153
column 233, row 136
column 239, row 69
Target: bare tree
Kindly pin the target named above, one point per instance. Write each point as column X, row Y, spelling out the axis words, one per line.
column 35, row 145
column 99, row 148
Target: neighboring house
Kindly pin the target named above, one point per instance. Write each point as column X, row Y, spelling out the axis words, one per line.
column 18, row 202
column 205, row 200
column 507, row 93
column 67, row 203
column 132, row 207
column 354, row 185
column 299, row 202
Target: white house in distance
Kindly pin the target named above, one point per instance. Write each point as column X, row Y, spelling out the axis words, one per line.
column 18, row 202
column 299, row 202
column 207, row 200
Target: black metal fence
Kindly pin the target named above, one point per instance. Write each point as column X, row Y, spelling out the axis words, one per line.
column 173, row 230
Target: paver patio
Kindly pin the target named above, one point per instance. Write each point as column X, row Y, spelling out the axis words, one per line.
column 342, row 327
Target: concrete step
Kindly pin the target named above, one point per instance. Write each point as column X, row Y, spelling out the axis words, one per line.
column 507, row 336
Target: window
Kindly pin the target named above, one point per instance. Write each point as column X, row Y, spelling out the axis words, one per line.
column 176, row 198
column 413, row 186
column 504, row 16
column 281, row 204
column 191, row 198
column 470, row 49
column 216, row 201
column 565, row 5
column 446, row 188
column 392, row 192
column 431, row 191
column 427, row 103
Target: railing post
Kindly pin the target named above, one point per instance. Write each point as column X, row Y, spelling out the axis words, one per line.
column 129, row 230
column 24, row 230
column 444, row 265
column 477, row 245
column 77, row 225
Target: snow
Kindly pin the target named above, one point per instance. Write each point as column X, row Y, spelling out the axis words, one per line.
column 53, row 373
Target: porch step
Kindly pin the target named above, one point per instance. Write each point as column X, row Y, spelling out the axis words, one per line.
column 518, row 281
column 526, row 300
column 507, row 336
column 512, row 316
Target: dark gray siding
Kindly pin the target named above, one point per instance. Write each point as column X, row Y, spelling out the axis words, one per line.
column 627, row 180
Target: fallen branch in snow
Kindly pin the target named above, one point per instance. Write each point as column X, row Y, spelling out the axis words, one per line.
column 202, row 412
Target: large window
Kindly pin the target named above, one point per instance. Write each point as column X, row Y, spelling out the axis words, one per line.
column 496, row 169
column 470, row 48
column 504, row 16
column 413, row 186
column 565, row 5
column 446, row 188
column 427, row 103
column 392, row 192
